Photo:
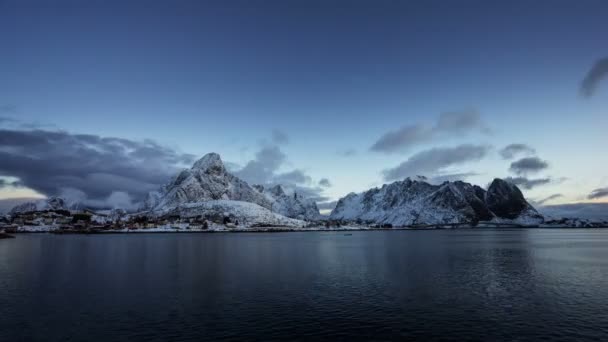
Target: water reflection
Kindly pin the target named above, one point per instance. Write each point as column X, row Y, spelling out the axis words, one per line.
column 466, row 284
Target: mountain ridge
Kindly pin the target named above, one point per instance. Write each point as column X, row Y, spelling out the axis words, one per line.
column 410, row 202
column 416, row 202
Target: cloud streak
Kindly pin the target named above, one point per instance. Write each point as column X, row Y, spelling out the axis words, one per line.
column 436, row 159
column 448, row 124
column 324, row 182
column 548, row 199
column 598, row 193
column 527, row 183
column 513, row 150
column 597, row 73
column 528, row 165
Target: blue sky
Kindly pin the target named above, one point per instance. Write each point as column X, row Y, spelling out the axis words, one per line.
column 202, row 76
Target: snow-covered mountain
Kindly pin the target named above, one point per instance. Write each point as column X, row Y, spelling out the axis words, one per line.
column 416, row 202
column 51, row 203
column 292, row 205
column 208, row 180
column 244, row 213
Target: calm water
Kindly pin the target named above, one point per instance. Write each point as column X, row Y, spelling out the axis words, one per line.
column 464, row 284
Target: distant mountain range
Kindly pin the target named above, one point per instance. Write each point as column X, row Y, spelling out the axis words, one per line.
column 415, row 202
column 208, row 188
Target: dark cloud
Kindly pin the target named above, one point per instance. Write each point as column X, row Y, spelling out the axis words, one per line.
column 513, row 150
column 434, row 160
column 528, row 184
column 293, row 177
column 324, row 182
column 50, row 161
column 279, row 137
column 401, row 139
column 116, row 199
column 460, row 122
column 595, row 75
column 598, row 193
column 264, row 170
column 528, row 165
column 448, row 124
column 548, row 199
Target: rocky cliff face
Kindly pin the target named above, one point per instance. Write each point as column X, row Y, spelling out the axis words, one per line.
column 505, row 200
column 290, row 205
column 414, row 202
column 208, row 180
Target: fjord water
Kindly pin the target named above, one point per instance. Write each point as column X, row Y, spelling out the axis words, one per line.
column 520, row 284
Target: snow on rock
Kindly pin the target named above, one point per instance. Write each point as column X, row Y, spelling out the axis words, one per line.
column 51, row 203
column 208, row 180
column 416, row 202
column 293, row 205
column 37, row 229
column 245, row 213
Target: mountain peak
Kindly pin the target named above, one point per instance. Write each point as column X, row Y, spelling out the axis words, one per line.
column 210, row 162
column 413, row 202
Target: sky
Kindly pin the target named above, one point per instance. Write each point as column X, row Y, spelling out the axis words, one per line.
column 107, row 99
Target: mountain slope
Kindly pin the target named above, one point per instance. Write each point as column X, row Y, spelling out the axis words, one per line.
column 294, row 206
column 51, row 203
column 414, row 202
column 208, row 180
column 244, row 213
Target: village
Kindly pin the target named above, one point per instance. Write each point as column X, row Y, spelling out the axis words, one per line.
column 87, row 221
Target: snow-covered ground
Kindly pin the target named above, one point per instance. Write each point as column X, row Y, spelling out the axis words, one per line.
column 248, row 214
column 186, row 228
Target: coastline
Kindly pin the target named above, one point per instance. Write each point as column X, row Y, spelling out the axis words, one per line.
column 57, row 231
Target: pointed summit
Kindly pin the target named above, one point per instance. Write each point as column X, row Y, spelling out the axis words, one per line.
column 211, row 163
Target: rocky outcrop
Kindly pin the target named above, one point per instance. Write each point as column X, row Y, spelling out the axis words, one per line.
column 505, row 200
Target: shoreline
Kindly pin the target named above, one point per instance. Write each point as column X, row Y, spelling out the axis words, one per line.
column 269, row 230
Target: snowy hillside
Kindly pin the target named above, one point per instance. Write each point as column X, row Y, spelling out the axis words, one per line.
column 208, row 180
column 245, row 213
column 51, row 203
column 415, row 202
column 292, row 205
